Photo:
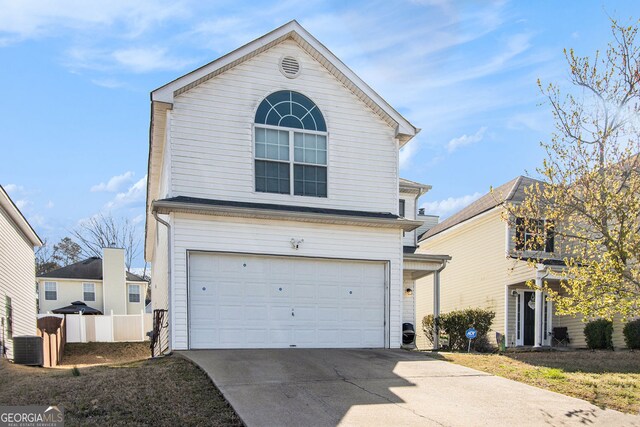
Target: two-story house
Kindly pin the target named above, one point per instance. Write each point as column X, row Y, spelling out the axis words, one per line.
column 17, row 275
column 488, row 271
column 103, row 284
column 273, row 213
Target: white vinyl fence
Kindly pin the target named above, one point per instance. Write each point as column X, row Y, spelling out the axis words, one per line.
column 108, row 328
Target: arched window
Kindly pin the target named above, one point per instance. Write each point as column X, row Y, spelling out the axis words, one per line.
column 290, row 140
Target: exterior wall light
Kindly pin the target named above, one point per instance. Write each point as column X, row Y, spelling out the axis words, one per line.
column 408, row 292
column 295, row 243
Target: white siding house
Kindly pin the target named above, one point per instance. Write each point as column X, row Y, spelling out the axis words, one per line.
column 272, row 202
column 17, row 275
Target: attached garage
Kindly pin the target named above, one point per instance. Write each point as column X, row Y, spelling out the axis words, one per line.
column 257, row 301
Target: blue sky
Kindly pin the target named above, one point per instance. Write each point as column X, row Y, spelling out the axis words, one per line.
column 76, row 77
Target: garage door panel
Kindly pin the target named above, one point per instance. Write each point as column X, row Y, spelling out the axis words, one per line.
column 245, row 301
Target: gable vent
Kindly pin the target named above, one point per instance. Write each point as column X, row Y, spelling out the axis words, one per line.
column 290, row 67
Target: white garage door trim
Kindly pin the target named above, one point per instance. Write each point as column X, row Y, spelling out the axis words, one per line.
column 384, row 264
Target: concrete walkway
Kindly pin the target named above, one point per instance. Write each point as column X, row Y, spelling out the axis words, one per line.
column 300, row 387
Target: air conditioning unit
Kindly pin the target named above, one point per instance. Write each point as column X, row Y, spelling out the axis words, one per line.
column 27, row 350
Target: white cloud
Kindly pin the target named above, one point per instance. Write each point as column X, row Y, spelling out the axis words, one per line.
column 465, row 140
column 407, row 153
column 27, row 19
column 108, row 83
column 144, row 60
column 22, row 203
column 135, row 193
column 50, row 204
column 446, row 207
column 13, row 188
column 114, row 184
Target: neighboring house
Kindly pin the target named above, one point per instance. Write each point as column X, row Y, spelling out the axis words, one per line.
column 101, row 284
column 273, row 203
column 487, row 271
column 17, row 275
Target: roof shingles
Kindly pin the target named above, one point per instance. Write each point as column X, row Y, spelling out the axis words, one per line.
column 88, row 269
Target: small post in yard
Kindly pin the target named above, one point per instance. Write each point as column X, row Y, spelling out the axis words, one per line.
column 471, row 334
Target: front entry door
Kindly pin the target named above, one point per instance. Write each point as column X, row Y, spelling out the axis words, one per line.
column 529, row 321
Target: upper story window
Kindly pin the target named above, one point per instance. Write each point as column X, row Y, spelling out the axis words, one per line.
column 50, row 291
column 89, row 291
column 134, row 293
column 290, row 140
column 534, row 235
column 401, row 207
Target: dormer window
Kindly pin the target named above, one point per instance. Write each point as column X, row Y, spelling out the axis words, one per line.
column 290, row 139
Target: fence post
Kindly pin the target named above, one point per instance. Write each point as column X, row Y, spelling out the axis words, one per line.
column 112, row 327
column 142, row 324
column 83, row 329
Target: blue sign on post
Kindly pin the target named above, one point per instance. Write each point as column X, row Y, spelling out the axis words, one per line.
column 471, row 334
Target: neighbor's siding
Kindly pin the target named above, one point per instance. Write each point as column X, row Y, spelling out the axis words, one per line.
column 211, row 128
column 478, row 272
column 136, row 307
column 17, row 280
column 68, row 292
column 208, row 233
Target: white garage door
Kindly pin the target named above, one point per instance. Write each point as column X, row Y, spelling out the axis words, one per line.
column 248, row 301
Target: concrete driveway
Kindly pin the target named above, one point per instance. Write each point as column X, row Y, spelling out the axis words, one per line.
column 303, row 387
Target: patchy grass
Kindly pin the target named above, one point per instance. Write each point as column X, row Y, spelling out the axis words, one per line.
column 605, row 378
column 101, row 353
column 160, row 392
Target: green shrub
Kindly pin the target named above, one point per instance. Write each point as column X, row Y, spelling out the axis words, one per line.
column 631, row 333
column 456, row 323
column 598, row 334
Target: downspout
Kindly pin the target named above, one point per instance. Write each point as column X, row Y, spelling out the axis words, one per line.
column 169, row 262
column 436, row 306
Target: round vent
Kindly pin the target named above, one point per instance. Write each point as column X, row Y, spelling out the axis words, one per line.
column 290, row 67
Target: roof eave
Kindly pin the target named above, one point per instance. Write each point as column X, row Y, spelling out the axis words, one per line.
column 405, row 131
column 166, row 207
column 18, row 218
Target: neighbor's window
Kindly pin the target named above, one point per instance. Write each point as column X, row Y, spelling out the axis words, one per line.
column 89, row 291
column 50, row 291
column 134, row 293
column 534, row 235
column 290, row 140
column 401, row 208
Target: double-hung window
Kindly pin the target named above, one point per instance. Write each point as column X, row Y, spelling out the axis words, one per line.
column 89, row 291
column 50, row 291
column 290, row 146
column 134, row 293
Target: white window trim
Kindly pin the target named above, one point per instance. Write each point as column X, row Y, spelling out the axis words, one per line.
column 45, row 291
column 93, row 285
column 291, row 160
column 129, row 287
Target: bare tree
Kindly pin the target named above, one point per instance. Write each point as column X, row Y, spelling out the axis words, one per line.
column 104, row 231
column 46, row 259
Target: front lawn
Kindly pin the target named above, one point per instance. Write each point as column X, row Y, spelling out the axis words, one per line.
column 605, row 378
column 168, row 391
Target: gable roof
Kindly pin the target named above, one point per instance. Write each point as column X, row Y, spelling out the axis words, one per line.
column 405, row 130
column 18, row 219
column 512, row 191
column 413, row 185
column 88, row 269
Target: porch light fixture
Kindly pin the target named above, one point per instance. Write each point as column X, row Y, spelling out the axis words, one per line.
column 295, row 243
column 408, row 292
